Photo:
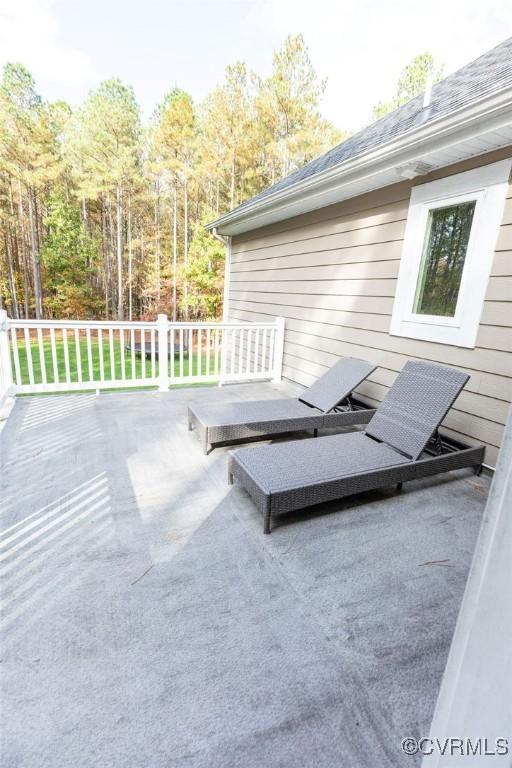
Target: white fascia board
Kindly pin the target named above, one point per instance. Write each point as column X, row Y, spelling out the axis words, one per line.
column 374, row 169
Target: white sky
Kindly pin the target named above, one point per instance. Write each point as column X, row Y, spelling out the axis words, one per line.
column 360, row 45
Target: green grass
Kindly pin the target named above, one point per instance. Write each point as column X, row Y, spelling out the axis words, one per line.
column 141, row 364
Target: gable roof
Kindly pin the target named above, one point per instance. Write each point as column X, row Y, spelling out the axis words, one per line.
column 484, row 77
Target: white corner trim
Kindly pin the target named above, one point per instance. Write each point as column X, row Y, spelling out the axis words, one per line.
column 474, row 699
column 488, row 186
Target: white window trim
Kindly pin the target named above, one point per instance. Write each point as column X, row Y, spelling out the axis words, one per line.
column 488, row 186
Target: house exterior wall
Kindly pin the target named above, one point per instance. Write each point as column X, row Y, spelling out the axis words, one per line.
column 332, row 274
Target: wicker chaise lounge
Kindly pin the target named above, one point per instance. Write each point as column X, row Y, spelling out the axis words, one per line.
column 327, row 403
column 400, row 443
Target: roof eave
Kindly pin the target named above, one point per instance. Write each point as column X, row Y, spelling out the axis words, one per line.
column 374, row 167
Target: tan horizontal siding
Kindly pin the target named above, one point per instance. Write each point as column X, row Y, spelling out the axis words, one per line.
column 332, row 274
column 389, row 214
column 352, row 255
column 502, row 265
column 354, row 238
column 346, row 211
column 301, row 333
column 497, row 313
column 363, row 271
column 345, row 287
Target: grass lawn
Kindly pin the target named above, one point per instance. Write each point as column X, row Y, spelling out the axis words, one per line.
column 142, row 365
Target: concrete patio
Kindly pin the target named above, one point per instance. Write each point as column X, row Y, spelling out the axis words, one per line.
column 149, row 623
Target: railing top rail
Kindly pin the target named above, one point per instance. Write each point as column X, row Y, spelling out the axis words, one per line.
column 92, row 324
column 126, row 325
column 221, row 325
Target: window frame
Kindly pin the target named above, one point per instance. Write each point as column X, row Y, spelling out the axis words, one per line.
column 487, row 186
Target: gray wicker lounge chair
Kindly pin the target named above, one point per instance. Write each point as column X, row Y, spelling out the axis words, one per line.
column 400, row 443
column 327, row 403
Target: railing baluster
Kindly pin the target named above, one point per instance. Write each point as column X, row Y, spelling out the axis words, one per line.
column 16, row 356
column 264, row 351
column 208, row 341
column 181, row 353
column 66, row 355
column 55, row 364
column 153, row 354
column 142, row 353
column 132, row 347
column 28, row 355
column 122, row 351
column 78, row 355
column 190, row 350
column 249, row 348
column 241, row 350
column 89, row 354
column 233, row 351
column 256, row 350
column 100, row 353
column 216, row 348
column 112, row 355
column 172, row 352
column 42, row 361
column 271, row 350
column 199, row 351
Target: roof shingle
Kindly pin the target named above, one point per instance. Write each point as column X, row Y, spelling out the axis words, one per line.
column 490, row 73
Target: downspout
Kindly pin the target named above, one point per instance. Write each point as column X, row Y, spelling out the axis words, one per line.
column 227, row 272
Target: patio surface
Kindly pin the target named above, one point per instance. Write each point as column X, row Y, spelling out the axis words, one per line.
column 148, row 622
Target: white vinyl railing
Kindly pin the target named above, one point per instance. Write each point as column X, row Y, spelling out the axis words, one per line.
column 66, row 355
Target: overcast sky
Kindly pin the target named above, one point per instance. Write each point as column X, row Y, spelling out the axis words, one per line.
column 359, row 45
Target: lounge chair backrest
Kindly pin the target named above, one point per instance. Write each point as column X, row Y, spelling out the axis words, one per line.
column 337, row 383
column 415, row 406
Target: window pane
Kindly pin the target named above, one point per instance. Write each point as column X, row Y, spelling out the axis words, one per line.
column 442, row 262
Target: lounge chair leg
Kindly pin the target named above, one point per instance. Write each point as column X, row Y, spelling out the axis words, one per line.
column 266, row 522
column 230, row 478
column 478, row 469
column 315, row 433
column 399, row 487
column 206, row 449
column 190, row 425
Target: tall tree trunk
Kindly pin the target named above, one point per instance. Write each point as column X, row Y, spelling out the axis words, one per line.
column 129, row 237
column 141, row 255
column 36, row 270
column 111, row 256
column 232, row 186
column 11, row 280
column 185, row 245
column 157, row 242
column 11, row 252
column 26, row 282
column 104, row 250
column 119, row 249
column 26, row 278
column 174, row 254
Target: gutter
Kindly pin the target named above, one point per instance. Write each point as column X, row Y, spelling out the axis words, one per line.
column 415, row 143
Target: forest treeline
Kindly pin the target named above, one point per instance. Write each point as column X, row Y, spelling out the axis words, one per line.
column 102, row 216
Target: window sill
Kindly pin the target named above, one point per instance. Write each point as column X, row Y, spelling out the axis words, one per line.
column 454, row 335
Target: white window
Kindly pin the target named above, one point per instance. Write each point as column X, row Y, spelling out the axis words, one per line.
column 451, row 233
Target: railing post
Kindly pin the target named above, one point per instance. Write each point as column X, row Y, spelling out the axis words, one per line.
column 162, row 327
column 6, row 379
column 277, row 367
